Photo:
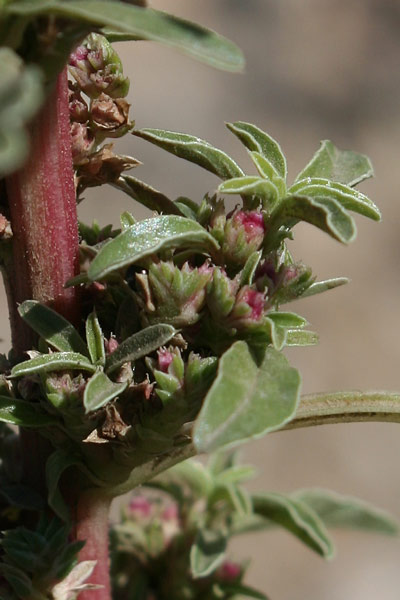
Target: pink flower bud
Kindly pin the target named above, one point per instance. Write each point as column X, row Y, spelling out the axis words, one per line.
column 140, row 507
column 248, row 309
column 170, row 513
column 165, row 358
column 243, row 234
column 229, row 571
column 111, row 345
column 253, row 223
column 253, row 299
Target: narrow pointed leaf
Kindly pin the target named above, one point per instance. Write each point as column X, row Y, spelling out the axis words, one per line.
column 251, row 186
column 324, row 213
column 301, row 337
column 57, row 361
column 139, row 23
column 95, row 340
column 287, row 319
column 267, row 170
column 147, row 196
column 246, row 401
column 249, row 269
column 56, row 464
column 148, row 237
column 23, row 414
column 349, row 198
column 257, row 140
column 207, row 552
column 343, row 166
column 298, row 518
column 52, row 327
column 194, row 150
column 195, row 475
column 139, row 344
column 347, row 512
column 127, row 220
column 99, row 390
column 323, row 286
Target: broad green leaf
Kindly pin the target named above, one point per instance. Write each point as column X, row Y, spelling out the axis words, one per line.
column 139, row 344
column 343, row 166
column 240, row 591
column 325, row 213
column 249, row 269
column 56, row 464
column 208, row 552
column 336, row 510
column 95, row 340
column 146, row 195
column 99, row 390
column 301, row 337
column 246, row 401
column 139, row 23
column 349, row 198
column 57, row 361
column 298, row 518
column 323, row 286
column 257, row 140
column 251, row 186
column 149, row 237
column 52, row 327
column 194, row 150
column 23, row 414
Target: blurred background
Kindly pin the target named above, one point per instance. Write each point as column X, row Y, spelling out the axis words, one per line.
column 316, row 69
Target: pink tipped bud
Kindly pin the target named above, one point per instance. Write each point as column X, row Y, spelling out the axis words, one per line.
column 248, row 309
column 111, row 345
column 229, row 571
column 243, row 234
column 170, row 513
column 255, row 300
column 165, row 358
column 253, row 223
column 79, row 56
column 140, row 507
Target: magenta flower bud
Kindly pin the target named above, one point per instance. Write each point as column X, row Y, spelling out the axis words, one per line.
column 171, row 513
column 140, row 507
column 229, row 571
column 253, row 223
column 78, row 57
column 243, row 234
column 248, row 309
column 165, row 358
column 111, row 345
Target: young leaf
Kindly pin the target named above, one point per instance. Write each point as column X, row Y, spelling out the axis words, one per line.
column 301, row 337
column 287, row 319
column 257, row 140
column 236, row 474
column 149, row 237
column 95, row 340
column 146, row 195
column 195, row 475
column 52, row 327
column 56, row 464
column 296, row 517
column 99, row 390
column 323, row 286
column 131, row 22
column 246, row 401
column 349, row 198
column 249, row 269
column 267, row 170
column 324, row 213
column 251, row 186
column 194, row 150
column 139, row 344
column 57, row 361
column 208, row 552
column 23, row 414
column 343, row 166
column 336, row 510
column 127, row 220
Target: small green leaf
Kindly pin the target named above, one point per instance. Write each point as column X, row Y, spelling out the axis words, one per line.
column 336, row 510
column 296, row 517
column 52, row 327
column 95, row 340
column 146, row 195
column 99, row 390
column 56, row 464
column 139, row 344
column 343, row 166
column 323, row 286
column 23, row 414
column 257, row 140
column 302, row 337
column 324, row 213
column 132, row 22
column 249, row 269
column 194, row 150
column 149, row 237
column 238, row 590
column 207, row 552
column 57, row 361
column 236, row 474
column 251, row 186
column 267, row 170
column 246, row 401
column 349, row 198
column 127, row 220
column 195, row 475
column 287, row 319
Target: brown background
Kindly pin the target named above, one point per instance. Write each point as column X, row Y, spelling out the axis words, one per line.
column 316, row 69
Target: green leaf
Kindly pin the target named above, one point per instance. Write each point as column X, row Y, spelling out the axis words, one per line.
column 302, row 337
column 127, row 220
column 249, row 269
column 349, row 198
column 139, row 344
column 323, row 286
column 296, row 517
column 251, row 186
column 56, row 464
column 287, row 319
column 207, row 552
column 257, row 140
column 131, row 22
column 95, row 340
column 57, row 361
column 343, row 166
column 149, row 237
column 324, row 213
column 336, row 510
column 238, row 590
column 146, row 195
column 52, row 327
column 267, row 170
column 246, row 401
column 195, row 475
column 99, row 390
column 236, row 474
column 23, row 414
column 193, row 149
column 18, row 580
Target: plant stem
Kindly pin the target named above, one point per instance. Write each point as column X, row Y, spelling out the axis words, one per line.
column 91, row 524
column 346, row 407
